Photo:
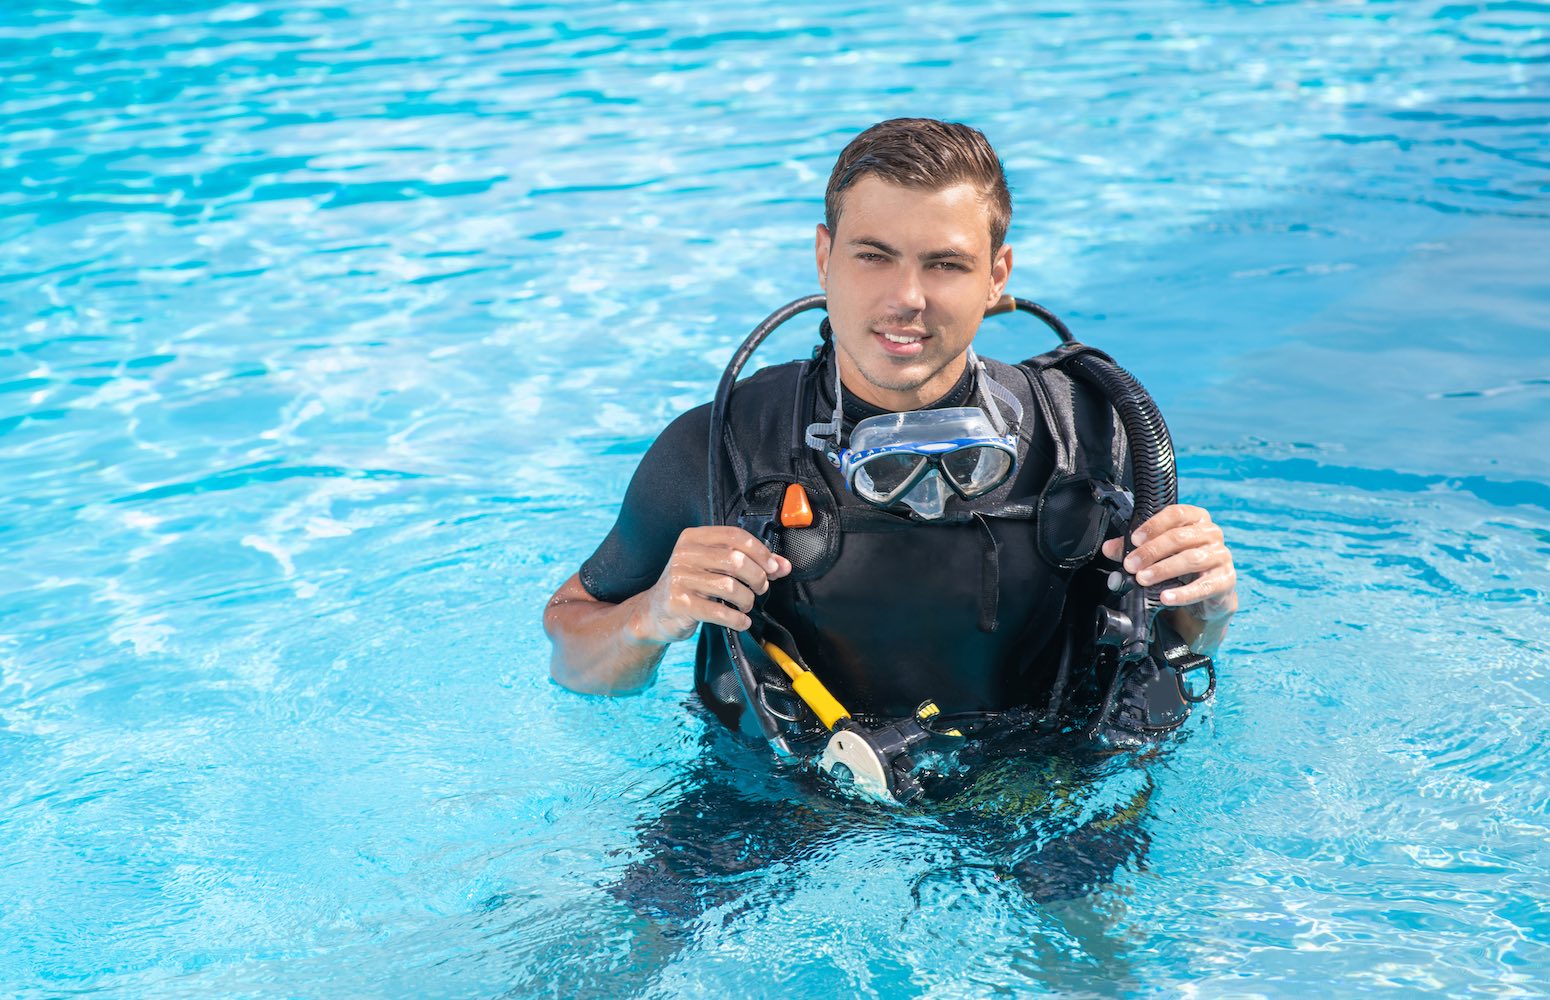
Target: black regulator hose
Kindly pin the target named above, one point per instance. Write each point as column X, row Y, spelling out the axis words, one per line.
column 1008, row 304
column 718, row 408
column 747, row 680
column 1151, row 446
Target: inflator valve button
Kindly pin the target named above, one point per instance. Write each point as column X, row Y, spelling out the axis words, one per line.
column 795, row 511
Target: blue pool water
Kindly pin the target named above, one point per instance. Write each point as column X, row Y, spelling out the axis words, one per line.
column 333, row 332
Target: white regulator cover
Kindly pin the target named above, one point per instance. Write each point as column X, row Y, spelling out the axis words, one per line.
column 866, row 768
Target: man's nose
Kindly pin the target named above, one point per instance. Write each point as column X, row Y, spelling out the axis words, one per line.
column 908, row 294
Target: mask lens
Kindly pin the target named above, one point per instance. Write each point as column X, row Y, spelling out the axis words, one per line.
column 977, row 470
column 881, row 477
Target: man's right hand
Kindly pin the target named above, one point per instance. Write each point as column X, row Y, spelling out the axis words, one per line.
column 713, row 576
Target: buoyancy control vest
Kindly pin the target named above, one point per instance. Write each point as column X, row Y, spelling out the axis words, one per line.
column 890, row 610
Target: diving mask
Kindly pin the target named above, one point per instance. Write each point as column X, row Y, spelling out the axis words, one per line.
column 917, row 456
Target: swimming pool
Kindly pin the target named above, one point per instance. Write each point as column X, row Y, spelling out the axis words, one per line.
column 334, row 331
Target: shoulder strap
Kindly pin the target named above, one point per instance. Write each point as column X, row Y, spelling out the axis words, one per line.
column 1089, row 455
column 757, row 451
column 1089, row 438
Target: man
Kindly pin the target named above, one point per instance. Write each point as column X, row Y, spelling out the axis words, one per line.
column 932, row 596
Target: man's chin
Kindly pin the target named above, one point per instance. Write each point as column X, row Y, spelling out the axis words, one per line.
column 899, row 375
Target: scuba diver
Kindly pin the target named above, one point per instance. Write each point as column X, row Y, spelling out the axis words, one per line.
column 896, row 547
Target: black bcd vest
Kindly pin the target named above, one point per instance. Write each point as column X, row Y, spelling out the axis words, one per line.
column 889, row 609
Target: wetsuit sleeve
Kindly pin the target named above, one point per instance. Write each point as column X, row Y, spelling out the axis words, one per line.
column 665, row 496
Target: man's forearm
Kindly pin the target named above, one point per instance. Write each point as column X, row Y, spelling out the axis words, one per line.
column 713, row 576
column 597, row 647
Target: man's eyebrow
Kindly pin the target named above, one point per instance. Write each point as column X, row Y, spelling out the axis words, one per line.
column 875, row 244
column 946, row 253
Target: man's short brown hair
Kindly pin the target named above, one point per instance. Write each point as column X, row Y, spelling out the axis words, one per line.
column 926, row 154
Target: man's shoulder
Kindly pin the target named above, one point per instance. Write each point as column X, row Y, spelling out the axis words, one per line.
column 767, row 393
column 769, row 378
column 769, row 390
column 998, row 367
column 686, row 432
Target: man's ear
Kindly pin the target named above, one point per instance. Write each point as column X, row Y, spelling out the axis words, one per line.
column 823, row 242
column 1000, row 273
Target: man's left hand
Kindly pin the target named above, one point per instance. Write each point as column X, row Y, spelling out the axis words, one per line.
column 1182, row 543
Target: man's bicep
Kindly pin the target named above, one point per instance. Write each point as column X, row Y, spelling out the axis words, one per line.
column 665, row 496
column 573, row 590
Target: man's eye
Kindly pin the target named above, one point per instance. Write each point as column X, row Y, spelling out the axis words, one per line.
column 870, row 256
column 948, row 265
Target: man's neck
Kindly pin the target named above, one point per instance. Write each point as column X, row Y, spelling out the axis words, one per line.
column 959, row 393
column 899, row 400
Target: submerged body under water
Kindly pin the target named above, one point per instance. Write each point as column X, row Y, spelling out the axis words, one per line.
column 334, row 332
column 1048, row 820
column 1019, row 807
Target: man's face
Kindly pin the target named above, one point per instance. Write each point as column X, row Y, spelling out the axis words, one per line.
column 908, row 276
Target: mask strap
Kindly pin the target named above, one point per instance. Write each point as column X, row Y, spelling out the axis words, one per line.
column 821, row 435
column 990, row 391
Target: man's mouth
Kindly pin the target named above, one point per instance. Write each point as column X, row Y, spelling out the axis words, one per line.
column 901, row 343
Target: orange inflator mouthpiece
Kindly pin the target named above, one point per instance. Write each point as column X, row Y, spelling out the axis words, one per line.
column 795, row 511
